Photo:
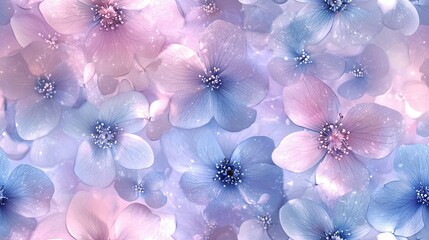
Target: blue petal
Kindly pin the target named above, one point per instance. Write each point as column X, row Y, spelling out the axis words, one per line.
column 394, row 208
column 94, row 166
column 125, row 189
column 126, row 109
column 231, row 115
column 6, row 12
column 80, row 123
column 133, row 152
column 13, row 224
column 403, row 16
column 304, row 219
column 350, row 213
column 155, row 199
column 29, row 191
column 66, row 85
column 252, row 229
column 4, row 167
column 209, row 151
column 254, row 150
column 353, row 89
column 423, row 10
column 36, row 117
column 423, row 125
column 314, row 21
column 198, row 185
column 286, row 72
column 412, row 165
column 154, row 181
column 327, row 66
column 259, row 16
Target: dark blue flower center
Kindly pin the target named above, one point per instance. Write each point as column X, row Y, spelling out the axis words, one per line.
column 105, row 136
column 3, row 197
column 358, row 71
column 303, row 58
column 336, row 235
column 422, row 193
column 45, row 86
column 228, row 172
column 336, row 5
column 139, row 188
column 212, row 78
column 266, row 221
column 334, row 138
column 110, row 16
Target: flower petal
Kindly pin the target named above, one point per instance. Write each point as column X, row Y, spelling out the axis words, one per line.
column 423, row 125
column 314, row 21
column 6, row 12
column 198, row 185
column 375, row 130
column 80, row 123
column 252, row 229
column 336, row 177
column 285, row 72
column 16, row 82
column 15, row 226
column 254, row 150
column 136, row 221
column 155, row 199
column 29, row 191
column 133, row 152
column 353, row 89
column 298, row 151
column 327, row 66
column 4, row 167
column 304, row 219
column 310, row 103
column 411, row 164
column 66, row 84
column 94, row 166
column 36, row 117
column 403, row 16
column 394, row 208
column 125, row 189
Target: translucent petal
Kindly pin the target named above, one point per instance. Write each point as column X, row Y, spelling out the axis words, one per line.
column 27, row 27
column 155, row 199
column 403, row 16
column 304, row 219
column 36, row 117
column 29, row 191
column 209, row 151
column 375, row 130
column 412, row 165
column 15, row 226
column 327, row 66
column 252, row 229
column 254, row 150
column 423, row 11
column 337, row 177
column 222, row 45
column 66, row 84
column 423, row 125
column 6, row 12
column 230, row 203
column 285, row 72
column 125, row 189
column 316, row 21
column 80, row 123
column 67, row 17
column 107, row 84
column 198, row 185
column 191, row 109
column 298, row 151
column 133, row 152
column 376, row 62
column 354, row 88
column 310, row 103
column 16, row 81
column 394, row 208
column 136, row 221
column 4, row 167
column 94, row 166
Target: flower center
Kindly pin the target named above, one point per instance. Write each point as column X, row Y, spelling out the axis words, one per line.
column 423, row 195
column 211, row 78
column 45, row 86
column 304, row 58
column 266, row 221
column 358, row 72
column 228, row 173
column 105, row 136
column 51, row 40
column 337, row 235
column 334, row 138
column 109, row 16
column 336, row 5
column 3, row 198
column 139, row 188
column 209, row 7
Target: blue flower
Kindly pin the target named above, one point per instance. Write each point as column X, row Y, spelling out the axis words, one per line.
column 307, row 220
column 401, row 206
column 367, row 74
column 24, row 195
column 134, row 184
column 348, row 21
column 108, row 137
column 217, row 83
column 226, row 183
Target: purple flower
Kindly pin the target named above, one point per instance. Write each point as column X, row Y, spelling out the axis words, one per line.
column 112, row 30
column 368, row 130
column 218, row 82
column 108, row 137
column 367, row 74
column 41, row 91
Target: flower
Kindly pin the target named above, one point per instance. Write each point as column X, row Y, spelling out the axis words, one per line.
column 367, row 74
column 41, row 91
column 400, row 15
column 108, row 137
column 90, row 217
column 24, row 195
column 226, row 183
column 113, row 30
column 400, row 206
column 217, row 83
column 304, row 219
column 369, row 130
column 134, row 184
column 348, row 21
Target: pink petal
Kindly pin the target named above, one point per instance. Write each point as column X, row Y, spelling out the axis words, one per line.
column 375, row 130
column 310, row 103
column 16, row 81
column 298, row 152
column 338, row 177
column 9, row 43
column 28, row 27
